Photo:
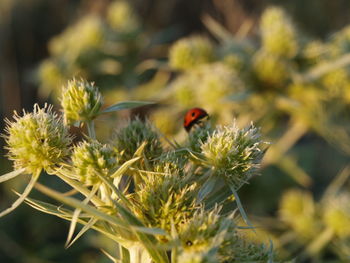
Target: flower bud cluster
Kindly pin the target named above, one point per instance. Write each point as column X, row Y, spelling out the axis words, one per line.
column 81, row 101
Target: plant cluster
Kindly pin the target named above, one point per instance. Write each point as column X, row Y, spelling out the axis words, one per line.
column 292, row 85
column 156, row 204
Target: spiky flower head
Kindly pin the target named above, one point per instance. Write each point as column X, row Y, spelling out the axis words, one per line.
column 270, row 69
column 81, row 101
column 336, row 214
column 188, row 53
column 205, row 230
column 163, row 200
column 128, row 139
column 198, row 136
column 238, row 249
column 297, row 209
column 37, row 140
column 279, row 36
column 121, row 17
column 91, row 159
column 234, row 153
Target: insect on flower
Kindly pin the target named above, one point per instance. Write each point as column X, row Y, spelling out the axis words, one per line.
column 194, row 116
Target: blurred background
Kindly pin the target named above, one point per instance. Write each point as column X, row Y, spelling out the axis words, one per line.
column 282, row 64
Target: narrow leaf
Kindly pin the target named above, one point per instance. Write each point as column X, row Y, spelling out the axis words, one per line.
column 76, row 216
column 91, row 222
column 240, row 207
column 121, row 170
column 126, row 105
column 23, row 196
column 11, row 175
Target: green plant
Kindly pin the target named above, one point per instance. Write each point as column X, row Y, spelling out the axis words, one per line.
column 157, row 205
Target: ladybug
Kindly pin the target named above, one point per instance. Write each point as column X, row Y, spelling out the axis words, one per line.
column 194, row 116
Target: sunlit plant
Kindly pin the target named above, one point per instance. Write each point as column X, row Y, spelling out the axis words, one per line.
column 157, row 203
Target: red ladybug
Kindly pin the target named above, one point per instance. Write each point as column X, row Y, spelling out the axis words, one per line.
column 194, row 116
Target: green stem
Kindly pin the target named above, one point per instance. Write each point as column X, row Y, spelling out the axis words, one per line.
column 91, row 129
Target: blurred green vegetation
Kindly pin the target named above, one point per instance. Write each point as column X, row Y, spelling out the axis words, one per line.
column 286, row 69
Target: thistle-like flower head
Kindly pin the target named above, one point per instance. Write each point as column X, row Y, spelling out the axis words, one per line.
column 278, row 33
column 81, row 101
column 165, row 199
column 92, row 158
column 234, row 153
column 271, row 70
column 201, row 232
column 188, row 53
column 37, row 140
column 128, row 139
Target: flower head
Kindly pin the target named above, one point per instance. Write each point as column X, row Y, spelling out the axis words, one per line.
column 278, row 34
column 121, row 16
column 336, row 214
column 165, row 199
column 91, row 159
column 37, row 140
column 188, row 53
column 81, row 101
column 270, row 69
column 85, row 35
column 128, row 139
column 234, row 153
column 297, row 209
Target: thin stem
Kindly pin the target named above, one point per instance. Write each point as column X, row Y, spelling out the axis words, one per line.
column 91, row 129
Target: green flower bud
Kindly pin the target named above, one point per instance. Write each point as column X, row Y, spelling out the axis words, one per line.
column 121, row 17
column 336, row 215
column 198, row 234
column 188, row 53
column 278, row 34
column 240, row 250
column 163, row 200
column 37, row 140
column 91, row 159
column 234, row 153
column 81, row 101
column 128, row 139
column 270, row 69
